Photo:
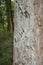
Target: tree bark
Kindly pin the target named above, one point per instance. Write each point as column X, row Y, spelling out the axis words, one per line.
column 28, row 32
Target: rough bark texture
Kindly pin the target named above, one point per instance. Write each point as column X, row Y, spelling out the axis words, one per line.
column 28, row 32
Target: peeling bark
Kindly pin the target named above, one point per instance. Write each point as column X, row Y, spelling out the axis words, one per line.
column 28, row 34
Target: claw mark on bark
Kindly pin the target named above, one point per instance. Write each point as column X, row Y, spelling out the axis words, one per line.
column 20, row 10
column 15, row 40
column 22, row 29
column 17, row 2
column 31, row 47
column 26, row 14
column 20, row 34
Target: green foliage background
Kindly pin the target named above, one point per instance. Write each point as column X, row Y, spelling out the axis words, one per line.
column 6, row 36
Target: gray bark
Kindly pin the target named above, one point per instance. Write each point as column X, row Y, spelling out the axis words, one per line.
column 28, row 32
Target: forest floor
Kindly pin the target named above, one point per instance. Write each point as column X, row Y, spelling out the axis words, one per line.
column 6, row 48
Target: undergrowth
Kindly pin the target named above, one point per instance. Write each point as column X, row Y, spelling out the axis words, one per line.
column 6, row 48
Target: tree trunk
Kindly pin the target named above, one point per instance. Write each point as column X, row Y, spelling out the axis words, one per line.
column 28, row 32
column 7, row 2
column 11, row 15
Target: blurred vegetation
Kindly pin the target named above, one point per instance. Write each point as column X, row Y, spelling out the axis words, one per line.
column 6, row 47
column 6, row 31
column 6, row 15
